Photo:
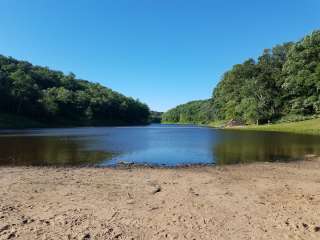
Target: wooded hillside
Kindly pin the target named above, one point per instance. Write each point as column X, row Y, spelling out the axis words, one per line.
column 284, row 82
column 53, row 98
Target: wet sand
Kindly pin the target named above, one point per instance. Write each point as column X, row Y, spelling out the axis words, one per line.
column 255, row 201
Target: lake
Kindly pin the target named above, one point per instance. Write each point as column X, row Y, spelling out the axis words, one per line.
column 169, row 145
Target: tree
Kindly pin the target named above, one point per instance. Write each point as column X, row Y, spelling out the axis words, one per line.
column 252, row 91
column 24, row 88
column 301, row 76
column 191, row 112
column 51, row 96
column 4, row 94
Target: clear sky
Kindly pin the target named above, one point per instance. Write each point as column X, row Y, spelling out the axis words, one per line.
column 164, row 52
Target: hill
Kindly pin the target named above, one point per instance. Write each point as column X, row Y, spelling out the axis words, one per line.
column 52, row 98
column 284, row 82
column 192, row 112
column 155, row 117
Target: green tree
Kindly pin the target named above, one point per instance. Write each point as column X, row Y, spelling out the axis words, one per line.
column 51, row 96
column 24, row 88
column 191, row 112
column 301, row 76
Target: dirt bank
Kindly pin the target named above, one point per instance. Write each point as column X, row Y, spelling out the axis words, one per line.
column 257, row 201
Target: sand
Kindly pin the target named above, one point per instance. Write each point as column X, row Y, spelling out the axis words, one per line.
column 255, row 201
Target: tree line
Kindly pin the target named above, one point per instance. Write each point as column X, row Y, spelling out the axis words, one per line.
column 199, row 111
column 55, row 98
column 283, row 83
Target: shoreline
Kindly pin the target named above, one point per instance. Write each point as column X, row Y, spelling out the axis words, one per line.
column 245, row 201
column 306, row 127
column 132, row 165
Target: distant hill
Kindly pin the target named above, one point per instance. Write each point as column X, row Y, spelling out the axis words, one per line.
column 52, row 98
column 192, row 112
column 155, row 117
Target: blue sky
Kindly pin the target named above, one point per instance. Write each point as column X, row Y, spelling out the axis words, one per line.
column 164, row 52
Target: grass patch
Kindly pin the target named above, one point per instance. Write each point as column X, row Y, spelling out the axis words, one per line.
column 306, row 127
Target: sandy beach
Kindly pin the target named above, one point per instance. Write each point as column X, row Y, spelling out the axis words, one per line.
column 255, row 201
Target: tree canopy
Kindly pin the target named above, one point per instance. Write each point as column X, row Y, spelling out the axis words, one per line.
column 55, row 98
column 192, row 112
column 283, row 81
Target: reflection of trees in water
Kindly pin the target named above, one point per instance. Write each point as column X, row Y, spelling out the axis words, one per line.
column 50, row 151
column 244, row 147
column 227, row 147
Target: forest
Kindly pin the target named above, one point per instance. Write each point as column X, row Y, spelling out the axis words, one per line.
column 192, row 112
column 282, row 84
column 57, row 99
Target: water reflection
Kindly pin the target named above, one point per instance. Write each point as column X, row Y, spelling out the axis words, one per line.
column 47, row 151
column 243, row 147
column 156, row 144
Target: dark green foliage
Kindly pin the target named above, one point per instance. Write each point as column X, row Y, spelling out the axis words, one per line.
column 155, row 117
column 191, row 112
column 283, row 82
column 252, row 91
column 54, row 98
column 302, row 76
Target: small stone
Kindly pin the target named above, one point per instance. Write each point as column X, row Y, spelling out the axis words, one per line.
column 11, row 235
column 154, row 208
column 156, row 189
column 131, row 201
column 4, row 228
column 86, row 236
column 117, row 235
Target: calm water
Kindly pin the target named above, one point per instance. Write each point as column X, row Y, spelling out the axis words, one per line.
column 155, row 144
